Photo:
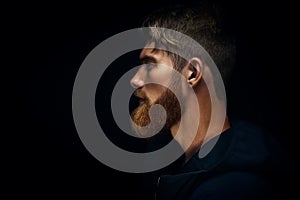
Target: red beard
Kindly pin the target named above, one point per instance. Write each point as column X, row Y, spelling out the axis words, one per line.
column 141, row 118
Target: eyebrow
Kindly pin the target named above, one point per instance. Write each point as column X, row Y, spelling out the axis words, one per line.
column 148, row 59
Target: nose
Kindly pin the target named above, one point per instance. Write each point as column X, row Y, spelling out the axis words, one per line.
column 137, row 80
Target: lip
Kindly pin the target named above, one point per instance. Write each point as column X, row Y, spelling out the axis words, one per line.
column 141, row 101
column 140, row 97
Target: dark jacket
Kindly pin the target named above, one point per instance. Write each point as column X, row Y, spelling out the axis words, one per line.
column 244, row 164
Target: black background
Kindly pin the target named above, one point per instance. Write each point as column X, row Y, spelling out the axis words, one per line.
column 54, row 161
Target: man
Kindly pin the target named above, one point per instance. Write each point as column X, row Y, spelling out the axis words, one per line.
column 239, row 162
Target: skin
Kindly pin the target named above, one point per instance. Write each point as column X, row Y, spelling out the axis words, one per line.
column 193, row 75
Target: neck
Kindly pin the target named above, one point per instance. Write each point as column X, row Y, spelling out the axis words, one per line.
column 188, row 139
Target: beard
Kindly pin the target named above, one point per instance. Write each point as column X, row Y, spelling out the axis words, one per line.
column 140, row 116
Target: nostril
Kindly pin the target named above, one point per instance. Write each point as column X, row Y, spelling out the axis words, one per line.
column 136, row 83
column 133, row 83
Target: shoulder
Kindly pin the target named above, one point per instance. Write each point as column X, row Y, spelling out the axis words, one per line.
column 233, row 185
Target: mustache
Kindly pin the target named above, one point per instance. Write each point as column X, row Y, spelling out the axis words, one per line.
column 140, row 94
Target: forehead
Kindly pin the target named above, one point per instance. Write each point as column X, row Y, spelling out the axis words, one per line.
column 150, row 51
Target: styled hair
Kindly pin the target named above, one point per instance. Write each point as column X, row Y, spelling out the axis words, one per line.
column 204, row 24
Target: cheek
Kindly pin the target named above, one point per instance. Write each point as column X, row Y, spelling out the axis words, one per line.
column 160, row 74
column 158, row 78
column 154, row 91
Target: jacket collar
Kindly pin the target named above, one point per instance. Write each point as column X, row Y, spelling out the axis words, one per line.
column 241, row 147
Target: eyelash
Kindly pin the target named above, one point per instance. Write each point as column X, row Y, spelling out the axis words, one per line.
column 151, row 65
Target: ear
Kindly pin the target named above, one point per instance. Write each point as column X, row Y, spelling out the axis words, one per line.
column 193, row 71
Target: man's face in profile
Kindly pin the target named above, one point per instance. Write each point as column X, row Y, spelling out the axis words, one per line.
column 155, row 67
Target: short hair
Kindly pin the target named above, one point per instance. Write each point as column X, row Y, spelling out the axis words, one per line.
column 204, row 24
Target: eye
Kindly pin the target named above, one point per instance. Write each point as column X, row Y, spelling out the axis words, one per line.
column 150, row 66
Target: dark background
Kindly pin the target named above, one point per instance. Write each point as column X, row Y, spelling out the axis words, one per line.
column 54, row 161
